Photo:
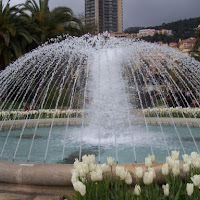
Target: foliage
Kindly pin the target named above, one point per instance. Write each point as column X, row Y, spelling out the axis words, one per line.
column 14, row 33
column 181, row 29
column 52, row 23
column 196, row 50
column 25, row 26
column 87, row 28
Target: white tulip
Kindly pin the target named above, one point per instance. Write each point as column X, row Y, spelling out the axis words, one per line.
column 196, row 180
column 139, row 172
column 128, row 179
column 165, row 169
column 148, row 178
column 85, row 168
column 196, row 163
column 190, row 189
column 97, row 175
column 92, row 167
column 152, row 157
column 105, row 168
column 175, row 155
column 185, row 158
column 166, row 189
column 75, row 176
column 91, row 158
column 80, row 187
column 119, row 169
column 186, row 167
column 76, row 163
column 79, row 169
column 170, row 161
column 177, row 163
column 148, row 162
column 176, row 170
column 137, row 190
column 110, row 161
column 194, row 155
column 121, row 172
column 85, row 159
column 150, row 169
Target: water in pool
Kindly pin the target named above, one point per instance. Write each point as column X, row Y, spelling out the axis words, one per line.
column 142, row 143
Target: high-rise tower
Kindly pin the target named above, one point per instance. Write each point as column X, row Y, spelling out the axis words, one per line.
column 105, row 14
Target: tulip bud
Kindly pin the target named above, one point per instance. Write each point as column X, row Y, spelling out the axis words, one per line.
column 166, row 189
column 185, row 158
column 170, row 162
column 139, row 172
column 91, row 158
column 128, row 179
column 152, row 157
column 80, row 187
column 85, row 159
column 152, row 170
column 194, row 155
column 190, row 189
column 105, row 168
column 148, row 178
column 96, row 175
column 110, row 161
column 175, row 155
column 165, row 169
column 92, row 167
column 186, row 167
column 148, row 162
column 176, row 170
column 196, row 163
column 137, row 190
column 196, row 180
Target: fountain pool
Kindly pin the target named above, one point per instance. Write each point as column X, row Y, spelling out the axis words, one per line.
column 142, row 140
column 108, row 84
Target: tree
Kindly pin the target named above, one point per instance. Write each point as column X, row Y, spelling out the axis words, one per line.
column 87, row 28
column 196, row 50
column 52, row 23
column 13, row 33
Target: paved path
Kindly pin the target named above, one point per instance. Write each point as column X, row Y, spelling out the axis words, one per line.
column 21, row 192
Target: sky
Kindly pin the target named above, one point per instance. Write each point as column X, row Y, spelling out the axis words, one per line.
column 141, row 13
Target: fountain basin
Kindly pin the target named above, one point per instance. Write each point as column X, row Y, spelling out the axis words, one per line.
column 142, row 141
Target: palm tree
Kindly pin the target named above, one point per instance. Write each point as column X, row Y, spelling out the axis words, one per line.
column 14, row 32
column 52, row 23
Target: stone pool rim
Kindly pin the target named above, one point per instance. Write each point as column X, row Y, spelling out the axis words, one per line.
column 42, row 174
column 78, row 121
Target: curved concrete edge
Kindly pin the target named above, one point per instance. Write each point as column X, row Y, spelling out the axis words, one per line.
column 78, row 121
column 35, row 174
column 55, row 174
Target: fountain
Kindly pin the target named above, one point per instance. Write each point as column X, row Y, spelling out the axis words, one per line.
column 98, row 94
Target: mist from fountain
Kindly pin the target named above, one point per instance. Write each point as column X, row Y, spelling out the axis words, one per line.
column 106, row 84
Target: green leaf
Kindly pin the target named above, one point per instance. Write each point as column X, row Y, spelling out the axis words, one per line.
column 178, row 193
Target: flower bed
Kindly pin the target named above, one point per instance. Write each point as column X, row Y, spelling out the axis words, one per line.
column 93, row 181
column 174, row 112
column 43, row 113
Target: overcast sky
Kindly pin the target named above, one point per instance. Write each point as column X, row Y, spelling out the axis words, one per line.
column 141, row 12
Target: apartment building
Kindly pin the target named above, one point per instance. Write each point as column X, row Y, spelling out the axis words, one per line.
column 107, row 15
column 152, row 32
column 146, row 32
column 187, row 45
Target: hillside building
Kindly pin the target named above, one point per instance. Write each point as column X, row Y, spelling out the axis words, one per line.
column 152, row 32
column 187, row 45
